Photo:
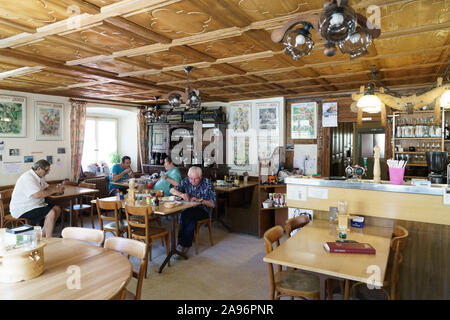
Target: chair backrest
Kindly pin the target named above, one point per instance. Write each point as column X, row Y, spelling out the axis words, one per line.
column 84, row 234
column 273, row 235
column 137, row 219
column 69, row 183
column 5, row 199
column 133, row 248
column 398, row 243
column 86, row 185
column 108, row 206
column 295, row 223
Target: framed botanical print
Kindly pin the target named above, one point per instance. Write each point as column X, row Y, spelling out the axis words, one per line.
column 240, row 117
column 13, row 116
column 304, row 120
column 49, row 119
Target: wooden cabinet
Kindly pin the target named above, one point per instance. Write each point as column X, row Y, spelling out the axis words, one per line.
column 269, row 217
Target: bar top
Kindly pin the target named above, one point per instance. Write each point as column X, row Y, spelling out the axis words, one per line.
column 406, row 187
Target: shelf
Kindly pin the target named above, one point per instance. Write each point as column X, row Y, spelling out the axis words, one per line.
column 416, row 165
column 264, row 186
column 410, row 152
column 437, row 138
column 273, row 208
column 415, row 177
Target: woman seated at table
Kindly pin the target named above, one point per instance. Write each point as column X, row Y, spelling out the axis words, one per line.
column 170, row 179
column 120, row 172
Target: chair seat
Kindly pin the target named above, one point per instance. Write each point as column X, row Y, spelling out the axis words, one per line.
column 79, row 207
column 203, row 221
column 112, row 225
column 298, row 281
column 154, row 232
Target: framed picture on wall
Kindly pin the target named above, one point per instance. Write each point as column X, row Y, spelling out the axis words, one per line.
column 240, row 117
column 13, row 116
column 49, row 119
column 304, row 120
column 241, row 153
column 268, row 117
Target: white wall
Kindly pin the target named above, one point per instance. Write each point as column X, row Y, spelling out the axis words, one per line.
column 39, row 149
column 127, row 142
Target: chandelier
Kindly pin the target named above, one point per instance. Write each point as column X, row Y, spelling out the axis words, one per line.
column 151, row 113
column 371, row 100
column 192, row 98
column 337, row 25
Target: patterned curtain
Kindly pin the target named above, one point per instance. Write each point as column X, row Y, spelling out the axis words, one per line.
column 77, row 124
column 143, row 141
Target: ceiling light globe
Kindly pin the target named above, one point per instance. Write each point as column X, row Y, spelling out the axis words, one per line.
column 369, row 103
column 336, row 23
column 356, row 44
column 298, row 42
column 445, row 99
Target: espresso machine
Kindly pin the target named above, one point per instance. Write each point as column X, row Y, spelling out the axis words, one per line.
column 437, row 167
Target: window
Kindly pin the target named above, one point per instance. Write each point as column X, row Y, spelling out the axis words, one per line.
column 100, row 140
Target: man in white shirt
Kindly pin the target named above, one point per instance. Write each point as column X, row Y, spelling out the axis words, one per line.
column 28, row 198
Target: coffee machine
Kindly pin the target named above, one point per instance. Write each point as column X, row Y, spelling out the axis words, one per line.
column 437, row 166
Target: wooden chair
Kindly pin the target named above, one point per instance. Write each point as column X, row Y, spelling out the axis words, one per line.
column 207, row 221
column 116, row 226
column 81, row 206
column 138, row 219
column 6, row 219
column 84, row 234
column 299, row 222
column 398, row 243
column 132, row 248
column 293, row 283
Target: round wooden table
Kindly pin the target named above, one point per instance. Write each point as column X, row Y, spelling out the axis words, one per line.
column 73, row 270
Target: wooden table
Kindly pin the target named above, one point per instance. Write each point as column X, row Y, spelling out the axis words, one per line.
column 227, row 190
column 170, row 212
column 103, row 273
column 125, row 184
column 305, row 251
column 71, row 193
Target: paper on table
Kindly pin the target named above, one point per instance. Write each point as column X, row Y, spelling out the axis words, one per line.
column 12, row 167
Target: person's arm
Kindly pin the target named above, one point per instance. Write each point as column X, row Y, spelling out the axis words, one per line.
column 118, row 176
column 171, row 181
column 179, row 191
column 209, row 199
column 47, row 192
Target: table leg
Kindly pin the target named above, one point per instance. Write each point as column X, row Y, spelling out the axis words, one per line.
column 322, row 287
column 70, row 212
column 173, row 246
column 225, row 209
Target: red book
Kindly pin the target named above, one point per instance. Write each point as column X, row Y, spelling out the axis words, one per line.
column 349, row 247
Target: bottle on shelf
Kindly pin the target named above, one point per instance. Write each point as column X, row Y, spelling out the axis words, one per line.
column 425, row 128
column 157, row 158
column 152, row 160
column 161, row 159
column 431, row 130
column 399, row 129
column 446, row 131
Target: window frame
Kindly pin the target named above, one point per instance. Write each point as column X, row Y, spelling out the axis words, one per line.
column 103, row 118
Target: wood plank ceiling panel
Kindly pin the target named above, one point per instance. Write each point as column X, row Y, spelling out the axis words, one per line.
column 127, row 46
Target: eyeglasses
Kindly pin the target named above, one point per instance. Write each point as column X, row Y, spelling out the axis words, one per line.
column 47, row 170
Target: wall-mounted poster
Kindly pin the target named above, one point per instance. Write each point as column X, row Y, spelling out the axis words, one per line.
column 241, row 152
column 13, row 116
column 49, row 118
column 304, row 120
column 240, row 117
column 267, row 116
column 329, row 114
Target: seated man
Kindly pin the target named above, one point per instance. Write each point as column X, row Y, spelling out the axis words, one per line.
column 27, row 200
column 120, row 172
column 193, row 188
column 171, row 178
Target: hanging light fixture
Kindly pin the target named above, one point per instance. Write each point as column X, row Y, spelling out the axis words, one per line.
column 338, row 25
column 192, row 98
column 445, row 99
column 151, row 112
column 369, row 102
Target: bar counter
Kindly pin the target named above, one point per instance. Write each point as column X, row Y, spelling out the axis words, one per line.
column 364, row 197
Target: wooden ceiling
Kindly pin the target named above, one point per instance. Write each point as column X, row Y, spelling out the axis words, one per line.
column 133, row 50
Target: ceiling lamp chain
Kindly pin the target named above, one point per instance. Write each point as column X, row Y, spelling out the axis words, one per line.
column 192, row 98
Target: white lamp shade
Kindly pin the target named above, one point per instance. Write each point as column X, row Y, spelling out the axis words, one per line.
column 369, row 103
column 445, row 99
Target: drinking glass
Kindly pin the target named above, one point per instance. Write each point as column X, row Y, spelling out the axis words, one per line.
column 342, row 207
column 38, row 231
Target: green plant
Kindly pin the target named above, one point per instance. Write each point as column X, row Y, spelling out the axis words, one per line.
column 114, row 157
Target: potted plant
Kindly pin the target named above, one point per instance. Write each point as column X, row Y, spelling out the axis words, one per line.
column 114, row 157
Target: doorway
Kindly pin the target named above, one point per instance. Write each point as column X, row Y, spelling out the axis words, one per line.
column 366, row 140
column 341, row 147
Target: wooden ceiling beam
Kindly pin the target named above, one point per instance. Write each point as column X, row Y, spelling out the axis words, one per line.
column 83, row 71
column 188, row 51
